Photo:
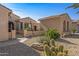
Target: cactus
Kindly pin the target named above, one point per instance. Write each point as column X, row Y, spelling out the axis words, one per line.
column 53, row 54
column 45, row 42
column 56, row 50
column 52, row 42
column 52, row 49
column 66, row 52
column 47, row 50
column 61, row 48
column 60, row 54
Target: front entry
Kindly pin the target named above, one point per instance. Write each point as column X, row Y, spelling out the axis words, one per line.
column 10, row 28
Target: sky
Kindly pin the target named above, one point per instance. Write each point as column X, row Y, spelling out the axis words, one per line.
column 40, row 10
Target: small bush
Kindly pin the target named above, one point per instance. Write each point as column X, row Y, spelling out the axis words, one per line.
column 52, row 34
column 74, row 30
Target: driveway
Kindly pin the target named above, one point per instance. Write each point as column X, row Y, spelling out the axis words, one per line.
column 16, row 48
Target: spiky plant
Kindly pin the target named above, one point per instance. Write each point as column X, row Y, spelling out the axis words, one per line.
column 61, row 48
column 47, row 50
column 66, row 52
column 60, row 54
column 52, row 42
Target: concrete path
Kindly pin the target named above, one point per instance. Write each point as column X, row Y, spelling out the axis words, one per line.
column 11, row 42
column 16, row 48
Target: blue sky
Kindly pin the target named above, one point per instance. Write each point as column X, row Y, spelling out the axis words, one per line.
column 40, row 10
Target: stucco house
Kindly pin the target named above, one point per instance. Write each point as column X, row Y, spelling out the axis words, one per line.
column 7, row 30
column 75, row 25
column 27, row 27
column 62, row 23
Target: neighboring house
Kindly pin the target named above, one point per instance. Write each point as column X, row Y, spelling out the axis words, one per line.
column 75, row 25
column 7, row 30
column 62, row 23
column 27, row 26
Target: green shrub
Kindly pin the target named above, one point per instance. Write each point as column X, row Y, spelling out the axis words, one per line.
column 52, row 34
column 74, row 30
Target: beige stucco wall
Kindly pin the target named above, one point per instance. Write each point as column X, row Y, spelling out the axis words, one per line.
column 3, row 24
column 56, row 22
column 66, row 19
column 51, row 23
column 32, row 33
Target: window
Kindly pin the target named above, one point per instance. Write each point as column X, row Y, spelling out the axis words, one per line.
column 67, row 26
column 64, row 26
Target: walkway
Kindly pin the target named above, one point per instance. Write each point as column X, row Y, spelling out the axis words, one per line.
column 16, row 48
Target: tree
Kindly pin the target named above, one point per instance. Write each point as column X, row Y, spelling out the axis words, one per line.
column 74, row 6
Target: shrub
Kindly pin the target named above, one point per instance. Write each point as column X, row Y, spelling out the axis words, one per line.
column 74, row 30
column 52, row 34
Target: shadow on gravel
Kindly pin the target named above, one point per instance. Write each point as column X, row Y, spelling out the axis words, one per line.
column 65, row 41
column 18, row 49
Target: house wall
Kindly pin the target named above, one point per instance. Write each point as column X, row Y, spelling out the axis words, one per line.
column 53, row 23
column 13, row 19
column 25, row 32
column 75, row 25
column 66, row 19
column 3, row 24
column 56, row 23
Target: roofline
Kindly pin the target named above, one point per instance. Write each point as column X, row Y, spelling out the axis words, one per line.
column 5, row 7
column 53, row 16
column 29, row 18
